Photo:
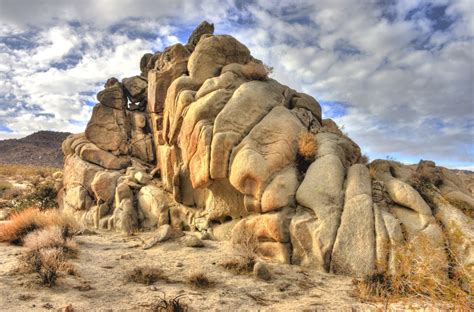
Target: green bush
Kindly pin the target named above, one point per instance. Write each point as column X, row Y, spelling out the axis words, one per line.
column 42, row 196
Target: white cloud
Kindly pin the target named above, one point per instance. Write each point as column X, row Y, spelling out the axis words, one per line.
column 407, row 86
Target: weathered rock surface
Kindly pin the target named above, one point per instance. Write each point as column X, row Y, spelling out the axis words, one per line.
column 203, row 140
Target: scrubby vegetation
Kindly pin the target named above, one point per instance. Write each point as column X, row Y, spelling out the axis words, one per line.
column 26, row 171
column 145, row 275
column 42, row 196
column 420, row 277
column 245, row 254
column 199, row 279
column 307, row 149
column 31, row 219
column 48, row 249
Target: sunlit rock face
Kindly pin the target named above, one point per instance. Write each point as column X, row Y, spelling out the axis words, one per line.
column 202, row 139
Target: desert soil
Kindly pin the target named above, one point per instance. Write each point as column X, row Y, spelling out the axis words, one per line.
column 105, row 257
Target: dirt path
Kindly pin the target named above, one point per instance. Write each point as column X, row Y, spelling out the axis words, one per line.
column 100, row 284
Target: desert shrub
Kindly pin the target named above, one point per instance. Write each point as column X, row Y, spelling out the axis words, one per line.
column 170, row 305
column 245, row 246
column 418, row 276
column 21, row 224
column 145, row 275
column 46, row 263
column 31, row 219
column 52, row 237
column 256, row 71
column 307, row 146
column 42, row 196
column 199, row 279
column 307, row 149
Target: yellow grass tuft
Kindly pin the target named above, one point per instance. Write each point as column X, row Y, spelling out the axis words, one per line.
column 419, row 276
column 307, row 146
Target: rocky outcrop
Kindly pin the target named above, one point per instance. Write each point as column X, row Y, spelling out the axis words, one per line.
column 204, row 140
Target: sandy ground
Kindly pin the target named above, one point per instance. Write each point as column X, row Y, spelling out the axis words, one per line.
column 105, row 257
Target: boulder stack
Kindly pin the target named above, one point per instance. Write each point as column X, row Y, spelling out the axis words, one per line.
column 203, row 140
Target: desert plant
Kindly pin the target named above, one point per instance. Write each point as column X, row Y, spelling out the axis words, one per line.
column 51, row 237
column 31, row 219
column 21, row 224
column 199, row 279
column 42, row 196
column 170, row 305
column 307, row 146
column 46, row 262
column 256, row 71
column 417, row 276
column 307, row 149
column 25, row 170
column 245, row 246
column 145, row 275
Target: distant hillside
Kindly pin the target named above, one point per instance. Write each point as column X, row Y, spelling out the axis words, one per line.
column 41, row 148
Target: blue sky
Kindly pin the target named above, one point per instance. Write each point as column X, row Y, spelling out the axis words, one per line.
column 398, row 75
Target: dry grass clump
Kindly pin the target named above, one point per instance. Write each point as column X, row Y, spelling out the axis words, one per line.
column 53, row 237
column 419, row 276
column 31, row 219
column 199, row 279
column 170, row 305
column 245, row 246
column 307, row 146
column 256, row 71
column 145, row 275
column 47, row 263
column 47, row 252
column 307, row 149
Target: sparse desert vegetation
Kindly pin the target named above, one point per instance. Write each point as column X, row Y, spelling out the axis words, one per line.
column 419, row 277
column 199, row 279
column 145, row 275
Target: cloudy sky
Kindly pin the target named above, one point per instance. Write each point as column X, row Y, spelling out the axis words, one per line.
column 398, row 75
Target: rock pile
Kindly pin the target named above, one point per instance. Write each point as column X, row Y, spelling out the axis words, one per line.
column 204, row 140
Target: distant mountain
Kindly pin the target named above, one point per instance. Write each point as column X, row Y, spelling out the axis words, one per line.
column 41, row 148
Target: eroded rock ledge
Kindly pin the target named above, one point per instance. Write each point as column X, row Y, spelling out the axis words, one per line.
column 202, row 139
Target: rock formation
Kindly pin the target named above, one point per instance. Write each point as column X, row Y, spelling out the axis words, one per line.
column 204, row 140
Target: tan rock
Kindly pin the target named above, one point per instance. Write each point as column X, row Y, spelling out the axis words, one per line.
column 154, row 203
column 104, row 185
column 214, row 52
column 320, row 191
column 171, row 64
column 112, row 97
column 108, row 128
column 270, row 147
column 354, row 248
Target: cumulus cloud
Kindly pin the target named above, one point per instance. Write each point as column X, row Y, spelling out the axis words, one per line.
column 398, row 75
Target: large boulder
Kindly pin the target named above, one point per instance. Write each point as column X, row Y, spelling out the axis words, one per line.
column 108, row 129
column 212, row 53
